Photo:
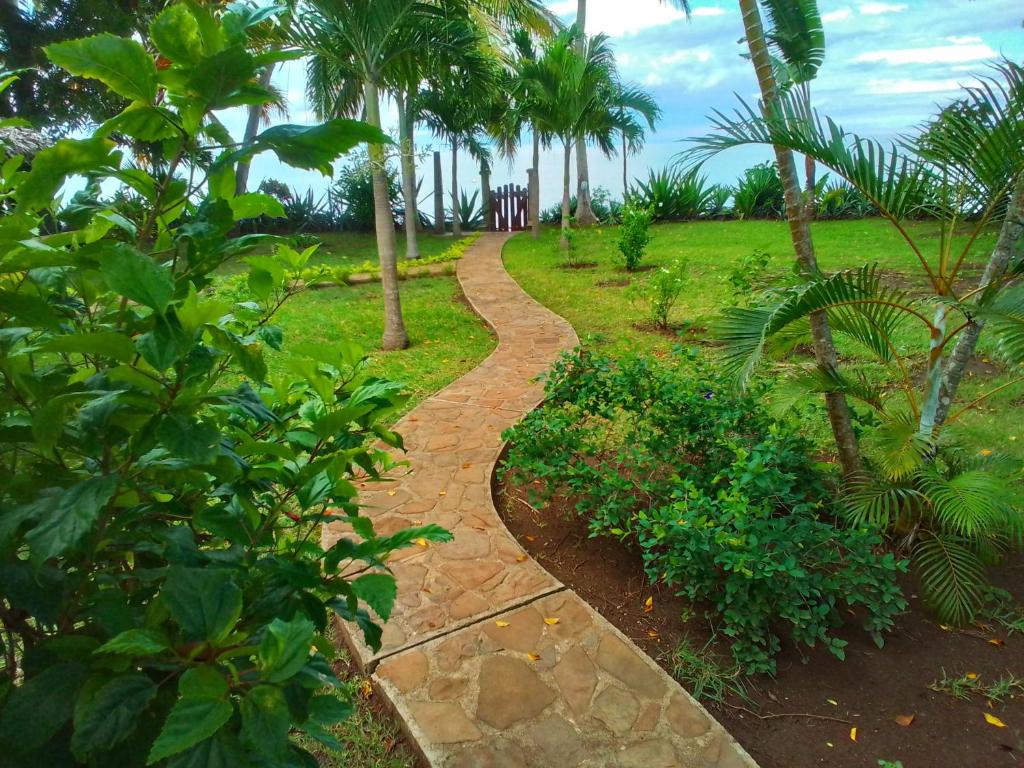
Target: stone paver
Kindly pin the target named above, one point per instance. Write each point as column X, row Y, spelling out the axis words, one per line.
column 487, row 660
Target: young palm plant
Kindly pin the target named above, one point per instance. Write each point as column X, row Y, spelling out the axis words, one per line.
column 953, row 511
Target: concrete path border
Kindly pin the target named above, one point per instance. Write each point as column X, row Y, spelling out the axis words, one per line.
column 488, row 661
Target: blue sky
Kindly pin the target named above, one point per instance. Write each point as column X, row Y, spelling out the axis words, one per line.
column 888, row 65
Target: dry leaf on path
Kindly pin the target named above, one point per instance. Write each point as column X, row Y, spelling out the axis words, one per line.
column 522, row 559
column 501, row 623
column 649, row 604
column 551, row 620
column 904, row 720
column 533, row 656
column 993, row 720
column 853, row 734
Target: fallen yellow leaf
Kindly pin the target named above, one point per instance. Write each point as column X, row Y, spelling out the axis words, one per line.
column 833, row 702
column 442, row 493
column 829, row 744
column 501, row 623
column 467, row 465
column 993, row 720
column 521, row 559
column 853, row 734
column 531, row 538
column 997, row 641
column 649, row 604
column 533, row 656
column 420, row 542
column 904, row 720
column 551, row 620
column 971, row 675
column 652, row 633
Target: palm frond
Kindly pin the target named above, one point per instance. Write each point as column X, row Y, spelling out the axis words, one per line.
column 796, row 36
column 897, row 446
column 879, row 504
column 971, row 504
column 952, row 577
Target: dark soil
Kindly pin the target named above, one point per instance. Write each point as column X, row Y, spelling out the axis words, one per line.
column 580, row 265
column 637, row 269
column 621, row 282
column 870, row 689
column 697, row 334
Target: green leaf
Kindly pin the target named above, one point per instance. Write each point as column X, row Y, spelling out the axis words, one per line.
column 29, row 309
column 107, row 715
column 102, row 343
column 73, row 516
column 217, row 78
column 313, row 147
column 175, row 33
column 136, row 642
column 266, row 720
column 54, row 164
column 38, row 708
column 118, row 62
column 185, row 438
column 377, row 590
column 220, row 751
column 284, row 649
column 143, row 122
column 206, row 603
column 202, row 710
column 256, row 204
column 136, row 276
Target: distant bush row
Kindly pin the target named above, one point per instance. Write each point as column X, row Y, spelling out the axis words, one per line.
column 679, row 195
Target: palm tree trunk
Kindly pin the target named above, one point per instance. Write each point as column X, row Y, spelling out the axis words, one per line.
column 456, row 217
column 584, row 210
column 800, row 233
column 438, row 196
column 412, row 248
column 1009, row 236
column 566, row 181
column 625, row 168
column 535, row 190
column 485, row 193
column 395, row 336
column 252, row 125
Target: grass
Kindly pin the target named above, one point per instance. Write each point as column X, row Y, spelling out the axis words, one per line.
column 609, row 319
column 446, row 338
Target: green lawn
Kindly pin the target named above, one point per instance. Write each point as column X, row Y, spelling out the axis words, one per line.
column 607, row 317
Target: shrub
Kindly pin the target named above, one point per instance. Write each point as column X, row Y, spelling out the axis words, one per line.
column 722, row 501
column 675, row 195
column 661, row 291
column 841, row 200
column 759, row 193
column 164, row 593
column 352, row 194
column 634, row 235
column 744, row 274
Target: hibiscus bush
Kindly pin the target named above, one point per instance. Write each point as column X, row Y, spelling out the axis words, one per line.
column 164, row 593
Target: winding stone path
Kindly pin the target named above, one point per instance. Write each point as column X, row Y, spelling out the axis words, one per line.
column 488, row 661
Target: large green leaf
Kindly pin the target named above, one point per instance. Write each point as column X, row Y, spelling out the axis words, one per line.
column 118, row 62
column 54, row 164
column 377, row 590
column 185, row 438
column 133, row 274
column 256, row 204
column 64, row 524
column 218, row 78
column 952, row 578
column 312, row 147
column 102, row 343
column 136, row 642
column 205, row 603
column 284, row 649
column 266, row 720
column 175, row 33
column 38, row 708
column 108, row 713
column 144, row 122
column 203, row 709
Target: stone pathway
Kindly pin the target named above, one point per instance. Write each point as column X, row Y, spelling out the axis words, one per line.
column 488, row 661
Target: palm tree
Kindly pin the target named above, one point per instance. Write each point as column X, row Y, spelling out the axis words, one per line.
column 800, row 232
column 634, row 108
column 356, row 48
column 574, row 98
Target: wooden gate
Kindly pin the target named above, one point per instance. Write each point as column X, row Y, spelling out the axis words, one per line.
column 510, row 209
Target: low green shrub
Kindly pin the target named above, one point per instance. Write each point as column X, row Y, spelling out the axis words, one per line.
column 661, row 291
column 634, row 234
column 759, row 193
column 722, row 501
column 744, row 274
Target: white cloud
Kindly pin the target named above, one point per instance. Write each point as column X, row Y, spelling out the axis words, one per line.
column 906, row 86
column 709, row 10
column 839, row 15
column 609, row 16
column 964, row 39
column 877, row 9
column 938, row 54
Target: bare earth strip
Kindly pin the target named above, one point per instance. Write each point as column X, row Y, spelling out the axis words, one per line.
column 488, row 661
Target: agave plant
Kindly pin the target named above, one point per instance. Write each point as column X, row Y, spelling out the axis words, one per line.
column 673, row 194
column 471, row 215
column 759, row 194
column 953, row 513
column 837, row 199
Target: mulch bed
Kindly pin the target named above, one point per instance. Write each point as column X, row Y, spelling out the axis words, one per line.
column 621, row 282
column 580, row 265
column 781, row 726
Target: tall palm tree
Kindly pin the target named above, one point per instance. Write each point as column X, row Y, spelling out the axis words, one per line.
column 800, row 233
column 574, row 98
column 357, row 48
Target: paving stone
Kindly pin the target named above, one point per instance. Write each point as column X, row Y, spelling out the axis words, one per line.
column 623, row 662
column 617, row 709
column 656, row 753
column 510, row 691
column 443, row 722
column 577, row 678
column 685, row 717
column 406, row 671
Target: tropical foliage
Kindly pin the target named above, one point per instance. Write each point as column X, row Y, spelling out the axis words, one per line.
column 164, row 593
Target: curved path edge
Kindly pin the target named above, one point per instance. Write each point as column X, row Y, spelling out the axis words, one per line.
column 488, row 661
